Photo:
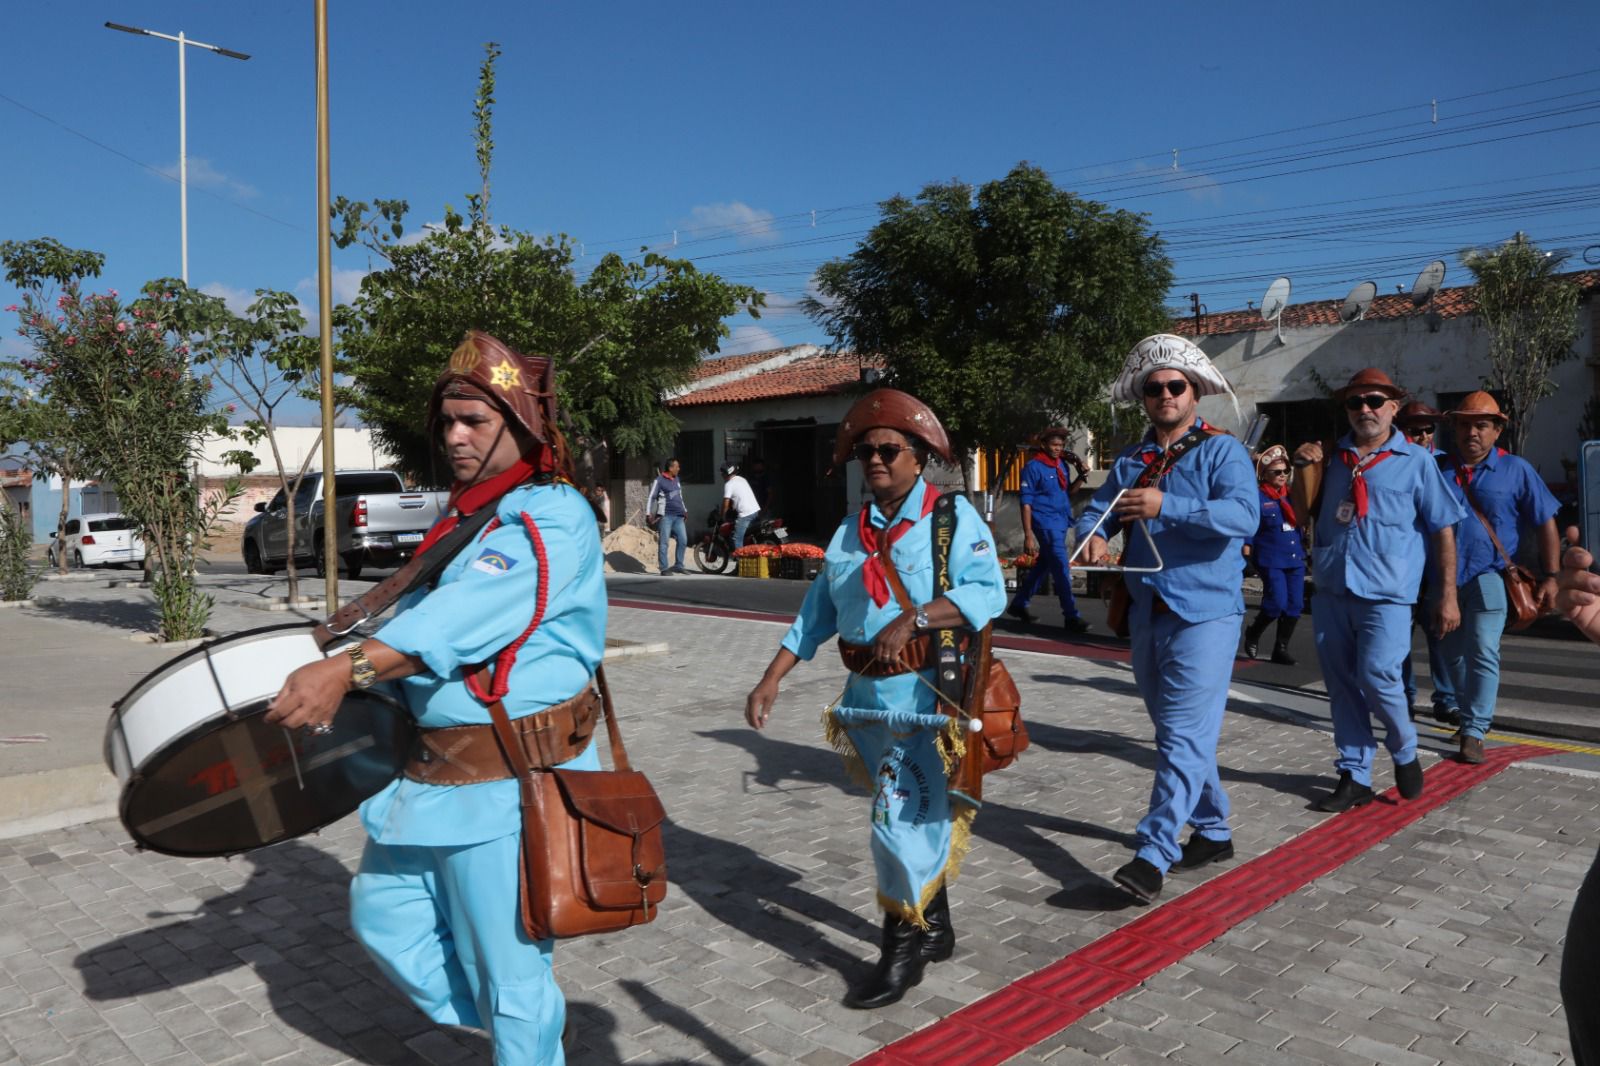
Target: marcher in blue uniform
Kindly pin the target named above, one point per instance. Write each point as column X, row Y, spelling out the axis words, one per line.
column 1382, row 500
column 887, row 723
column 435, row 900
column 1046, row 516
column 1279, row 555
column 1184, row 620
column 1417, row 421
column 1508, row 492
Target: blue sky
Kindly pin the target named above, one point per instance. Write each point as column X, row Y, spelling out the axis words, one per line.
column 730, row 123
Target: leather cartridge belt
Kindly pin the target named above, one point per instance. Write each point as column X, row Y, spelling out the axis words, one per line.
column 470, row 754
column 916, row 655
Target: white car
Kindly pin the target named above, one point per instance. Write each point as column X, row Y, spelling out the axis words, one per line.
column 97, row 540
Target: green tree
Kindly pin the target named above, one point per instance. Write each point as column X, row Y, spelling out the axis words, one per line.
column 1531, row 313
column 1004, row 310
column 620, row 337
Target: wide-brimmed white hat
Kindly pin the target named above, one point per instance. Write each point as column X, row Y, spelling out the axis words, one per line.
column 1167, row 351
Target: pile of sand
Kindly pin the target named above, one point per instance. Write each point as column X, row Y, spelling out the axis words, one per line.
column 630, row 550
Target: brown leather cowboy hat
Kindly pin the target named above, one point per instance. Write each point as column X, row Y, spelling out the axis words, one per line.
column 521, row 386
column 1371, row 380
column 1044, row 435
column 1478, row 405
column 891, row 409
column 1417, row 413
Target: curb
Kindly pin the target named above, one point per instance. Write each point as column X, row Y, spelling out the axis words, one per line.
column 17, row 603
column 55, row 799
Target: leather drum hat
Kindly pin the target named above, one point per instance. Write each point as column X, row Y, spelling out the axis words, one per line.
column 1478, row 405
column 890, row 409
column 522, row 386
column 1269, row 458
column 1371, row 380
column 1416, row 413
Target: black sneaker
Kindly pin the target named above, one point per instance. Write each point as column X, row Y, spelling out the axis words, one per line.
column 1021, row 614
column 1075, row 624
column 1446, row 715
column 1141, row 880
column 1199, row 851
column 1348, row 794
column 1408, row 779
column 679, row 570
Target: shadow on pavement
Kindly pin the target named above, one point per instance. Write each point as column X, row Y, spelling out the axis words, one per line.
column 289, row 923
column 135, row 615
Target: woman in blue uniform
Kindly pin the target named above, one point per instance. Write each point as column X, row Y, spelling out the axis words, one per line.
column 1280, row 558
column 887, row 722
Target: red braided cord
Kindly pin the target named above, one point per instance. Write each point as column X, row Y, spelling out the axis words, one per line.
column 501, row 675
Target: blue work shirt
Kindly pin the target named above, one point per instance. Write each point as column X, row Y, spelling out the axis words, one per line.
column 485, row 600
column 1510, row 493
column 837, row 602
column 1276, row 544
column 1381, row 557
column 1042, row 491
column 1209, row 504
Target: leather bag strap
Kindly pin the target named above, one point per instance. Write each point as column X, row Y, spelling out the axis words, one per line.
column 511, row 745
column 896, row 586
column 1472, row 502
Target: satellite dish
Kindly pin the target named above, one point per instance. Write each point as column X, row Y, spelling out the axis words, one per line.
column 1273, row 303
column 1427, row 283
column 1354, row 308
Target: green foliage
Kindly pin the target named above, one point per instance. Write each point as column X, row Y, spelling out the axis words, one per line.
column 29, row 263
column 17, row 574
column 1531, row 313
column 1004, row 311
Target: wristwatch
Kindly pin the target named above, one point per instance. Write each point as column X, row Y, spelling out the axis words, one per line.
column 362, row 672
column 922, row 618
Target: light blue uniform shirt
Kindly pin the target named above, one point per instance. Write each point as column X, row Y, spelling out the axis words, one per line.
column 484, row 601
column 1209, row 505
column 1510, row 493
column 837, row 602
column 1381, row 556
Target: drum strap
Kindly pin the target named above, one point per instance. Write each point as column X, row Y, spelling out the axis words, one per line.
column 421, row 570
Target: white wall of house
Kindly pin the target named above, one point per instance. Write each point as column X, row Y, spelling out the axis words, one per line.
column 354, row 448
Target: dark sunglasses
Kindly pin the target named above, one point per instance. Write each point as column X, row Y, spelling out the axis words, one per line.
column 887, row 452
column 1175, row 387
column 1278, row 471
column 1356, row 403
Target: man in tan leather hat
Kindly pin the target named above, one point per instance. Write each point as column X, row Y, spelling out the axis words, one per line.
column 1508, row 495
column 1382, row 501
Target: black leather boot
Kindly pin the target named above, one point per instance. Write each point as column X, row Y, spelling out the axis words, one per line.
column 939, row 939
column 1280, row 650
column 1252, row 634
column 899, row 968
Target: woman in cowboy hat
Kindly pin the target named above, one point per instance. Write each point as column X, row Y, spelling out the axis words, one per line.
column 876, row 592
column 1280, row 558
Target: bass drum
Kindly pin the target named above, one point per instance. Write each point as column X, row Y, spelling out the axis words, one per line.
column 203, row 774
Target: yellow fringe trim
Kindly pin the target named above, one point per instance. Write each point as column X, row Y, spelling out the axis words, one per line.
column 839, row 739
column 961, row 817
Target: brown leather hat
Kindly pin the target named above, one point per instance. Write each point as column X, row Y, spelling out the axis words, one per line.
column 890, row 409
column 1371, row 380
column 1270, row 458
column 1478, row 405
column 1047, row 433
column 1417, row 413
column 522, row 386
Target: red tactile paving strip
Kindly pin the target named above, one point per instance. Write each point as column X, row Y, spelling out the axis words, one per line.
column 1015, row 1018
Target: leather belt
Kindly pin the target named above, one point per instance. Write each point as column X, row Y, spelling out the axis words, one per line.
column 470, row 754
column 916, row 655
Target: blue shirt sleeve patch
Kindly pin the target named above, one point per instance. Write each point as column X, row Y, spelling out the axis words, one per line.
column 979, row 547
column 493, row 562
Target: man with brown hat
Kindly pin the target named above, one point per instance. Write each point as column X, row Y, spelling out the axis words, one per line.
column 1382, row 499
column 1418, row 421
column 517, row 617
column 1501, row 494
column 1046, row 516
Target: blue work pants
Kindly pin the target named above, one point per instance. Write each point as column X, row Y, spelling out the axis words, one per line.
column 1183, row 669
column 742, row 524
column 671, row 526
column 1052, row 560
column 1283, row 591
column 1361, row 644
column 444, row 925
column 1444, row 693
column 1472, row 652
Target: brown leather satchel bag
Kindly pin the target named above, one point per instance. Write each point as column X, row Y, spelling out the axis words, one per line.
column 1004, row 735
column 1522, row 600
column 592, row 855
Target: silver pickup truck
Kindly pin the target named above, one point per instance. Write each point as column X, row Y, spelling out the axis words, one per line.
column 380, row 524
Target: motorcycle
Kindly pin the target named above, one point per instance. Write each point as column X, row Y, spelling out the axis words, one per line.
column 714, row 552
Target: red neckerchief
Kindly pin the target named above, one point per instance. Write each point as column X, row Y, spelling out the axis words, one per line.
column 1358, row 480
column 468, row 499
column 872, row 574
column 1056, row 464
column 669, row 477
column 1282, row 496
column 1464, row 471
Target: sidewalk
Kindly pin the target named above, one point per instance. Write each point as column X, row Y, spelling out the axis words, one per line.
column 1436, row 941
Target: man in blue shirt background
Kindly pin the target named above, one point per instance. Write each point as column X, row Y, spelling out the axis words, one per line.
column 1046, row 517
column 1418, row 422
column 1382, row 497
column 1509, row 494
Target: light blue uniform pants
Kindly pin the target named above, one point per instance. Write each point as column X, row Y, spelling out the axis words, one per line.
column 443, row 924
column 1472, row 652
column 1362, row 644
column 1183, row 670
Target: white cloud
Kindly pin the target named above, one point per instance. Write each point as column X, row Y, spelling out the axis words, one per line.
column 346, row 286
column 13, row 347
column 749, row 339
column 737, row 220
column 236, row 300
column 202, row 175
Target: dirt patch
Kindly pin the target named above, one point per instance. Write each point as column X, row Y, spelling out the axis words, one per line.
column 630, row 550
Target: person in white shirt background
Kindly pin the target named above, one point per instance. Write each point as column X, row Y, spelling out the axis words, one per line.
column 738, row 499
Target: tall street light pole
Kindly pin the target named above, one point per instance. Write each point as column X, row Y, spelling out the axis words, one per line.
column 183, row 44
column 330, row 480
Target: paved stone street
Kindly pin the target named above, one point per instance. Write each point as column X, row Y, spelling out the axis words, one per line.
column 1440, row 944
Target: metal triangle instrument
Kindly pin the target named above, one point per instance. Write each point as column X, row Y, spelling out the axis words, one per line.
column 1148, row 539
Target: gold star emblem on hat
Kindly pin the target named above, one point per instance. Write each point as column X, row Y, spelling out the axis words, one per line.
column 504, row 376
